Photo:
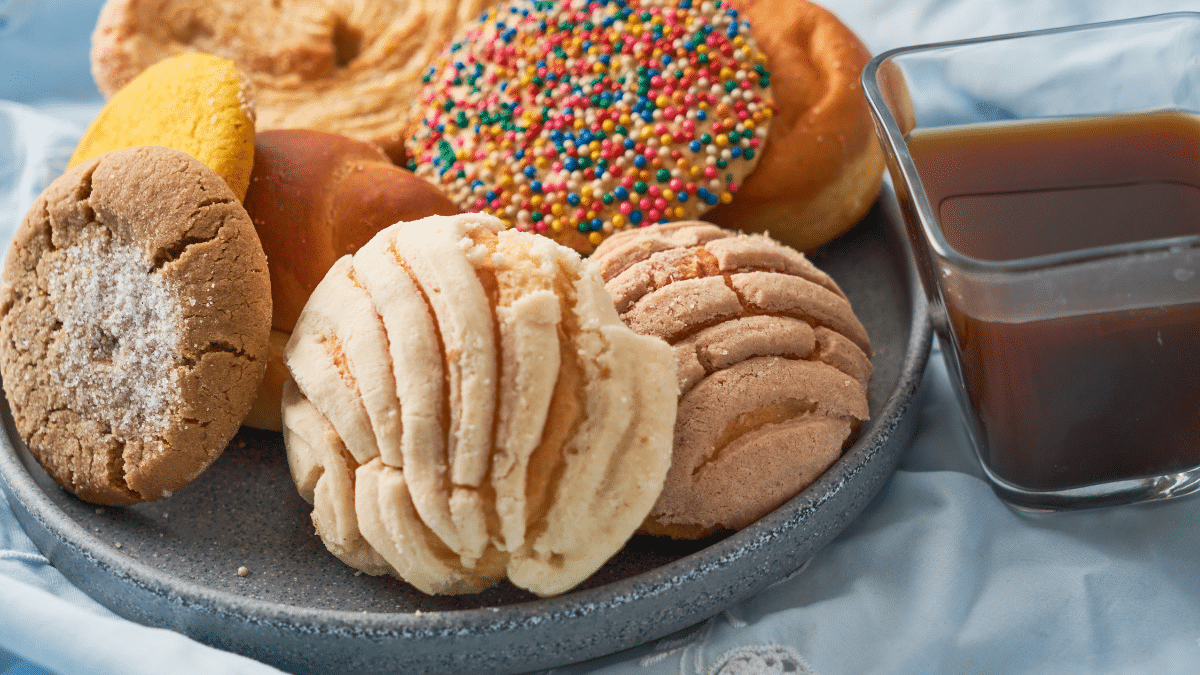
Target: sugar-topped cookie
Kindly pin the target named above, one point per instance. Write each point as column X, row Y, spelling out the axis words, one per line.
column 134, row 312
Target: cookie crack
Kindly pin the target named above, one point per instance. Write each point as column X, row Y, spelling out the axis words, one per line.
column 83, row 196
column 44, row 423
column 169, row 254
column 218, row 346
column 115, row 464
column 208, row 202
column 748, row 308
column 214, row 347
column 178, row 248
column 47, row 232
column 825, row 355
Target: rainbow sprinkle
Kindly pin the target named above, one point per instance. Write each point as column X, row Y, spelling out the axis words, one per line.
column 592, row 116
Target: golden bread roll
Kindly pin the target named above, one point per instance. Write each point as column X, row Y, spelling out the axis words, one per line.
column 198, row 104
column 314, row 197
column 821, row 166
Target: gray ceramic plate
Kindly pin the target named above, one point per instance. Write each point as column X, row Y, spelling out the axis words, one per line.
column 174, row 563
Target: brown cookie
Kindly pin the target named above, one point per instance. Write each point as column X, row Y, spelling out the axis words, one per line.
column 771, row 362
column 134, row 314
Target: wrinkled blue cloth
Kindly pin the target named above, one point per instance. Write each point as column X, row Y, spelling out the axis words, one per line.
column 936, row 576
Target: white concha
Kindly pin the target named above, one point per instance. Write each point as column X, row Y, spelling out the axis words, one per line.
column 535, row 429
column 436, row 251
column 391, row 523
column 418, row 365
column 613, row 463
column 318, row 360
column 324, row 475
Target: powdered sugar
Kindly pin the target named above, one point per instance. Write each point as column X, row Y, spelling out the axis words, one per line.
column 120, row 332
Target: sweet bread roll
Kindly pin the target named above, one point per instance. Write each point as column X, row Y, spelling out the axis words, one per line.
column 821, row 165
column 315, row 197
column 772, row 367
column 465, row 405
column 345, row 67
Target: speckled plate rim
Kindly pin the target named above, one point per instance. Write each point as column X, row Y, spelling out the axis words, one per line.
column 524, row 636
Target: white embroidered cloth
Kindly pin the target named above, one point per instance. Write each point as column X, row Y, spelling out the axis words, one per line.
column 935, row 577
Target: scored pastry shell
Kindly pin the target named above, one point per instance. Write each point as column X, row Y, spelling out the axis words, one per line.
column 540, row 423
column 772, row 366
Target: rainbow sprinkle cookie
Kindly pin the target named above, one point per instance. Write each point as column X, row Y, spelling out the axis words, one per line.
column 577, row 119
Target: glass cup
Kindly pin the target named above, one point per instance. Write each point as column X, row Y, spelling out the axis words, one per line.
column 1050, row 185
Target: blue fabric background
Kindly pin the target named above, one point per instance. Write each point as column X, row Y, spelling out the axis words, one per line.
column 935, row 577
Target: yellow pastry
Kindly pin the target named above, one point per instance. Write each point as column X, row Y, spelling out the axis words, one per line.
column 195, row 103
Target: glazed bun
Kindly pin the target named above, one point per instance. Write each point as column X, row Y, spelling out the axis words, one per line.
column 314, row 197
column 821, row 166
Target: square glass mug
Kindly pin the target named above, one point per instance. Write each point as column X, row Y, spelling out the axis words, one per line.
column 1050, row 186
